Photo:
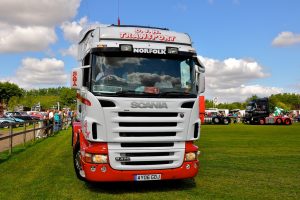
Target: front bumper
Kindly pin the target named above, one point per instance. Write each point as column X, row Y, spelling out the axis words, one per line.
column 95, row 172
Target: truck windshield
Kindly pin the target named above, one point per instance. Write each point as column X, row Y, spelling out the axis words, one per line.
column 142, row 76
column 250, row 106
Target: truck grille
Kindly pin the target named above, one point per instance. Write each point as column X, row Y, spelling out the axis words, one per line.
column 169, row 144
column 147, row 163
column 147, row 154
column 152, row 140
column 147, row 124
column 145, row 159
column 148, row 114
column 148, row 134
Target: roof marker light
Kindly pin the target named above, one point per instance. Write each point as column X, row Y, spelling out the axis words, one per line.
column 126, row 47
column 172, row 50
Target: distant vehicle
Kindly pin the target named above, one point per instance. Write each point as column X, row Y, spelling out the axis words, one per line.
column 216, row 116
column 20, row 115
column 258, row 112
column 6, row 120
column 36, row 115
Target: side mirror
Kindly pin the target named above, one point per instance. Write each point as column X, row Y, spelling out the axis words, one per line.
column 76, row 78
column 200, row 76
column 201, row 83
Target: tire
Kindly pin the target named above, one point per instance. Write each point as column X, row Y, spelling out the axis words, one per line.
column 5, row 124
column 278, row 121
column 72, row 137
column 77, row 163
column 287, row 122
column 262, row 121
column 216, row 120
column 226, row 121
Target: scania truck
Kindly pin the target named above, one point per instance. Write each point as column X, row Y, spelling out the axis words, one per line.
column 138, row 94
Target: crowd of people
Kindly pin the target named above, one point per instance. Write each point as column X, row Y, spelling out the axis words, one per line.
column 61, row 120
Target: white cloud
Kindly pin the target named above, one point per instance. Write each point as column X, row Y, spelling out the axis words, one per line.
column 37, row 12
column 71, row 30
column 286, row 39
column 18, row 39
column 45, row 72
column 229, row 79
column 242, row 92
column 30, row 25
column 71, row 51
column 231, row 72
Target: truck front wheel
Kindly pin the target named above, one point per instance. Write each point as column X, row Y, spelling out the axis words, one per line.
column 287, row 122
column 77, row 163
column 262, row 121
column 279, row 121
column 216, row 120
column 227, row 120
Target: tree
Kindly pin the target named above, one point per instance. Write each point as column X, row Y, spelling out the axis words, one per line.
column 253, row 97
column 13, row 102
column 67, row 96
column 8, row 90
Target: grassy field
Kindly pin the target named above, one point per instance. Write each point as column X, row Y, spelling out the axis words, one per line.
column 237, row 162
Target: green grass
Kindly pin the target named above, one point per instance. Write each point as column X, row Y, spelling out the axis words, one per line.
column 237, row 162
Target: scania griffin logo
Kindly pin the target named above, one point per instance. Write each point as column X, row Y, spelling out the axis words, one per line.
column 151, row 104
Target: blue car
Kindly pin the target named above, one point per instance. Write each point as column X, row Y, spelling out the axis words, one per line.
column 5, row 120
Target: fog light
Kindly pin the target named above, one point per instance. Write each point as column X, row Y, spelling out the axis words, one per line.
column 98, row 158
column 190, row 156
column 188, row 166
column 93, row 168
column 103, row 169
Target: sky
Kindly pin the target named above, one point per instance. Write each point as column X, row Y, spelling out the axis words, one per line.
column 249, row 47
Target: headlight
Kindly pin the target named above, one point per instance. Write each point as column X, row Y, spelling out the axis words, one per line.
column 190, row 156
column 98, row 158
column 95, row 158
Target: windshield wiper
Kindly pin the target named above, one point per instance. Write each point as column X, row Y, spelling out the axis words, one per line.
column 177, row 94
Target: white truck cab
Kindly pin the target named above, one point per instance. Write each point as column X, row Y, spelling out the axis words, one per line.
column 137, row 99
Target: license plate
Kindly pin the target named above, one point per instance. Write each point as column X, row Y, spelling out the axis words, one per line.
column 147, row 177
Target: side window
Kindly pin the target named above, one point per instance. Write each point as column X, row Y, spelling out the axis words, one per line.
column 185, row 74
column 86, row 60
column 86, row 71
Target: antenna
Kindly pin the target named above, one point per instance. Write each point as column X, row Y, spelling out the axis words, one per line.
column 119, row 22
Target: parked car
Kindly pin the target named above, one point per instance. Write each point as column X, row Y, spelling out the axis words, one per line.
column 5, row 120
column 19, row 115
column 36, row 115
column 20, row 122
